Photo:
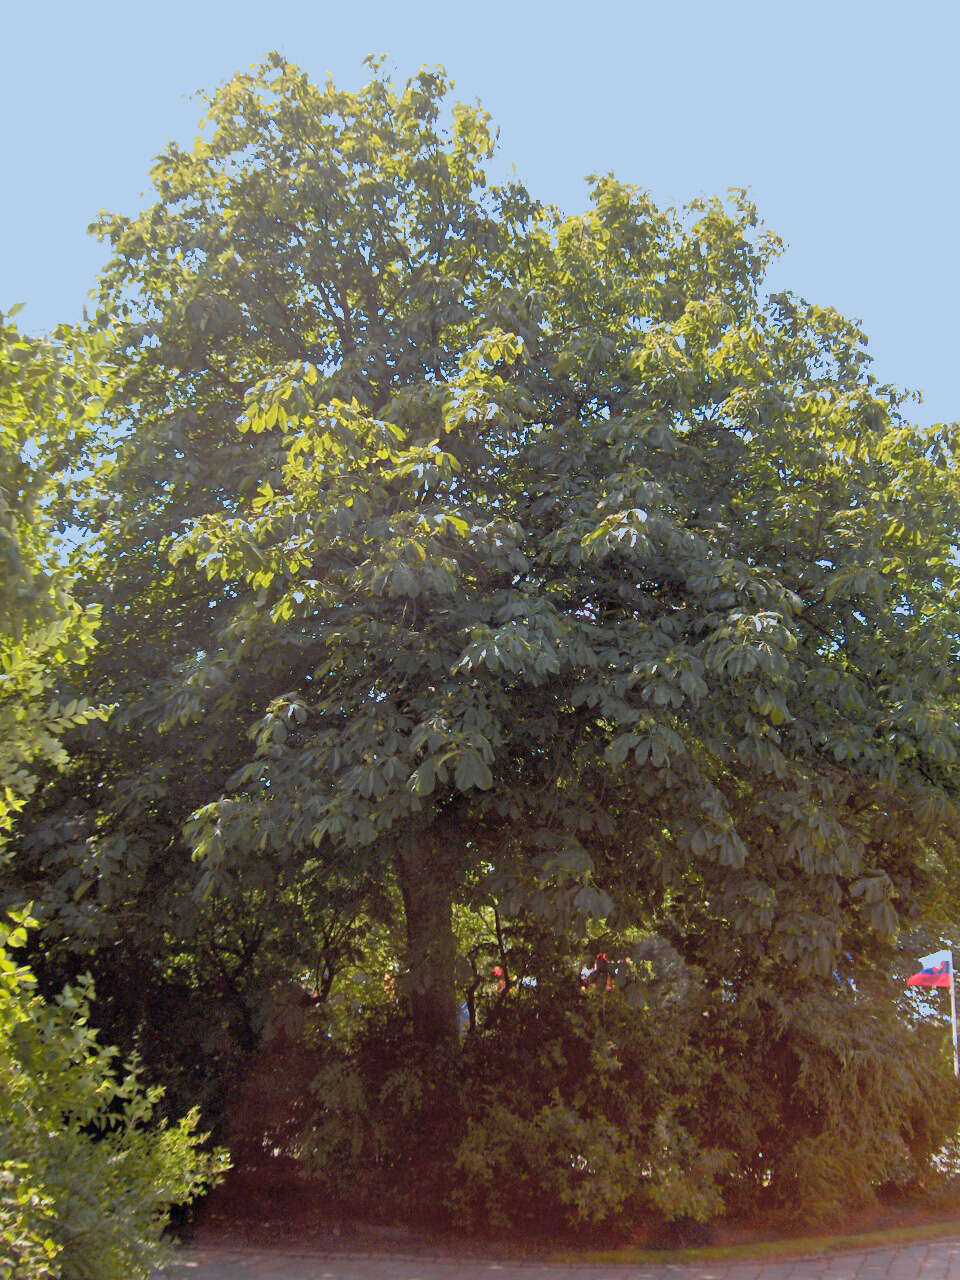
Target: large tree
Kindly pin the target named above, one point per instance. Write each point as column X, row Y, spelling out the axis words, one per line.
column 453, row 543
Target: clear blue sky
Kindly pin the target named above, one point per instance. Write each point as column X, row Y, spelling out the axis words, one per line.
column 841, row 118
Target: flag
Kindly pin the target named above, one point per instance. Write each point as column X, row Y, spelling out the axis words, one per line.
column 936, row 971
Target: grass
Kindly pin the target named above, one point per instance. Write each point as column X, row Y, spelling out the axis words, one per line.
column 799, row 1246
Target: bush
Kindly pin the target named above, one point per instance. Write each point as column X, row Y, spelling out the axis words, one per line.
column 586, row 1116
column 88, row 1173
column 569, row 1111
column 387, row 1121
column 27, row 1248
column 832, row 1096
column 565, row 1111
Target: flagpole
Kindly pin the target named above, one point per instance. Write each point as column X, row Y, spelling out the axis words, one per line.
column 953, row 1018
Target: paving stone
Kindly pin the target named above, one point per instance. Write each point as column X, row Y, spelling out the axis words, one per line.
column 934, row 1260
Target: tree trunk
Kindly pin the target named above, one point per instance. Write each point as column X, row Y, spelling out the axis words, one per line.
column 427, row 881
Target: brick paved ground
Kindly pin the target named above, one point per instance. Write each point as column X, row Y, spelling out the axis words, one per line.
column 933, row 1260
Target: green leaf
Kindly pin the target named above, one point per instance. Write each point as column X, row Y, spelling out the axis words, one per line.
column 471, row 771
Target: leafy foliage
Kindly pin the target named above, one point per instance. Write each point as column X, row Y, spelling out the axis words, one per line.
column 455, row 556
column 664, row 524
column 44, row 631
column 27, row 1249
column 663, row 1097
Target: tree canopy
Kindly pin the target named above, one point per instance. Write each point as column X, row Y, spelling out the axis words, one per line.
column 541, row 582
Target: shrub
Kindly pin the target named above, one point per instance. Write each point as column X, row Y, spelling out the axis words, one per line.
column 572, row 1111
column 586, row 1117
column 565, row 1111
column 387, row 1120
